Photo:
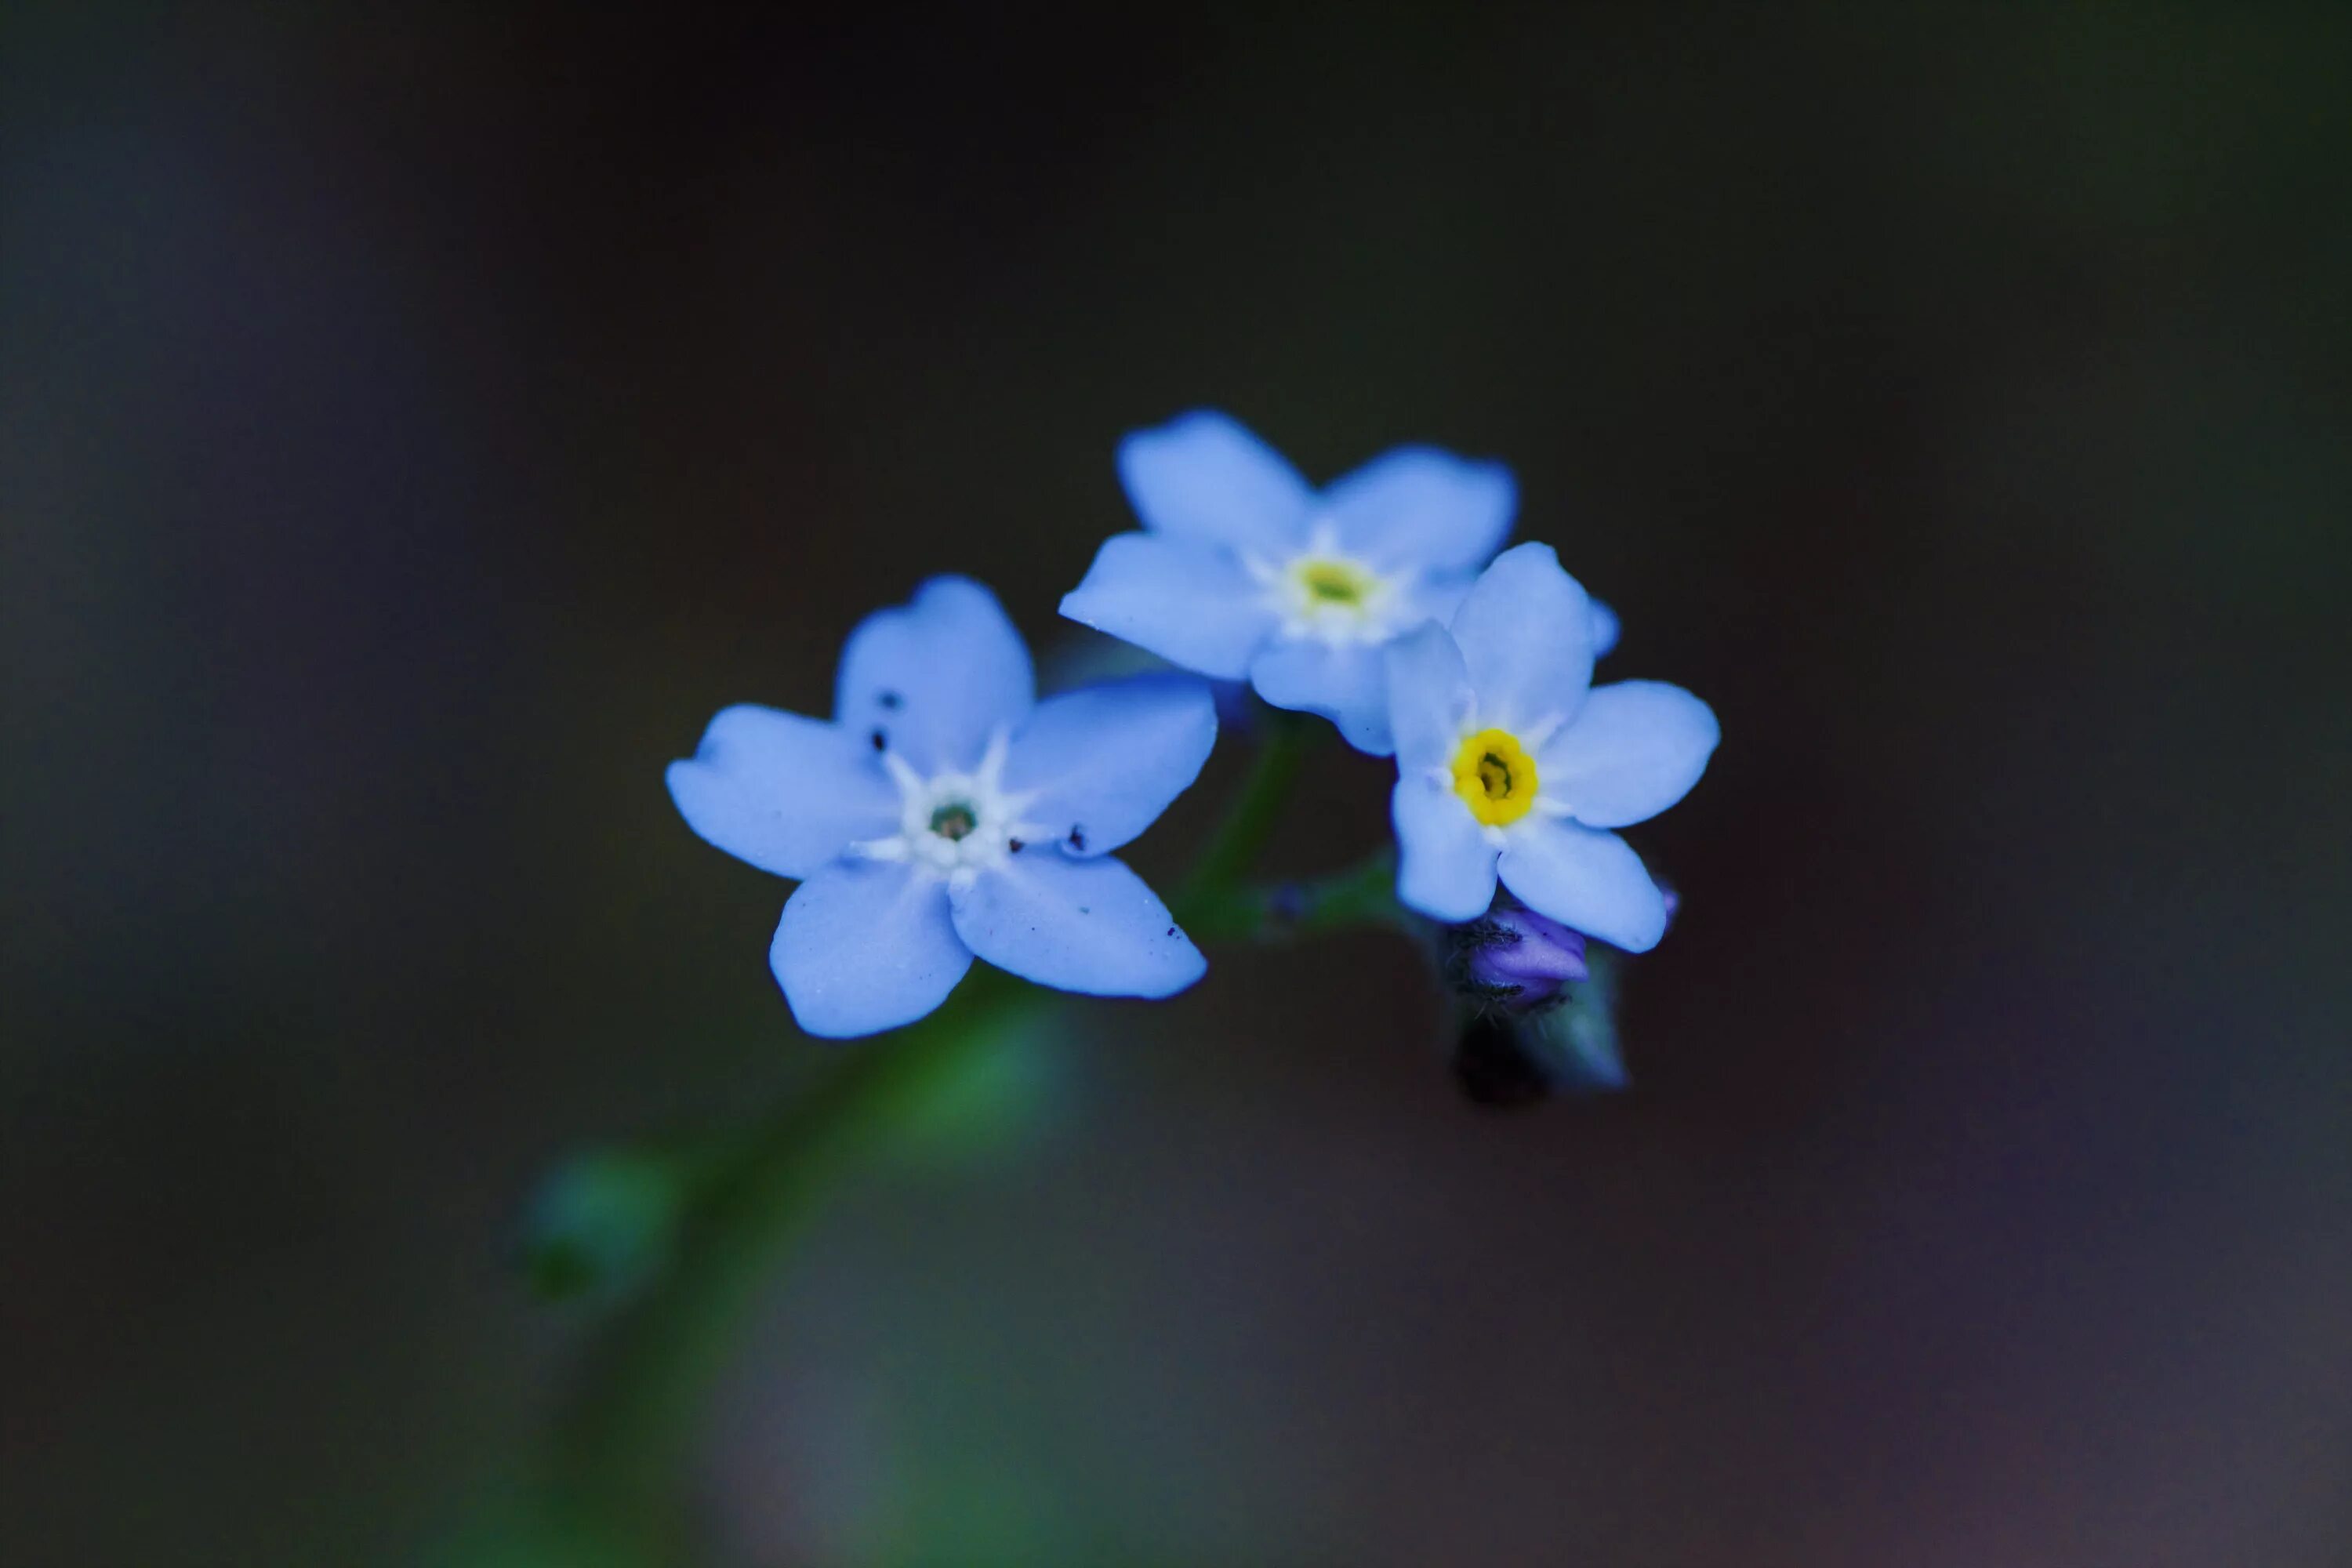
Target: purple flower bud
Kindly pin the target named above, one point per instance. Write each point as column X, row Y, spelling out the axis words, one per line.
column 1516, row 957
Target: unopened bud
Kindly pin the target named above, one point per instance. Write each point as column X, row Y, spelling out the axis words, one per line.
column 1515, row 959
column 1508, row 1057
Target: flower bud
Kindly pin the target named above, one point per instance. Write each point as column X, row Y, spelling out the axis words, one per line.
column 1509, row 1055
column 1536, row 1010
column 1515, row 958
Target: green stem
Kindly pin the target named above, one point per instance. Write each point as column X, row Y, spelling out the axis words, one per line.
column 1251, row 820
column 628, row 1438
column 1363, row 895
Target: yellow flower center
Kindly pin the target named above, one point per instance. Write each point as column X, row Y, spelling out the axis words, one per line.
column 1495, row 777
column 1341, row 582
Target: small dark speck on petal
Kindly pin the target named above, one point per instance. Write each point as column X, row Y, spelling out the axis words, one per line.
column 881, row 742
column 1015, row 846
column 1084, row 909
column 889, row 699
column 1077, row 836
column 1172, row 930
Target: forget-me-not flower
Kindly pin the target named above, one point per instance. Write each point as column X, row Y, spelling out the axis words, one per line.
column 945, row 813
column 1245, row 571
column 1510, row 763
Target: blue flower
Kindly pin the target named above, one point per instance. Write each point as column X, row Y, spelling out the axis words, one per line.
column 945, row 813
column 1509, row 761
column 1245, row 571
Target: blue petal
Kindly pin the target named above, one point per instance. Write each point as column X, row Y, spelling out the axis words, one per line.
column 1204, row 477
column 1421, row 506
column 1637, row 748
column 1087, row 925
column 1191, row 603
column 784, row 792
column 1526, row 632
column 1439, row 595
column 1348, row 685
column 1445, row 868
column 866, row 945
column 1429, row 697
column 1106, row 760
column 1584, row 878
column 936, row 677
column 1604, row 627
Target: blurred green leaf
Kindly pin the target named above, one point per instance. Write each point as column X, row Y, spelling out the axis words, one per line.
column 602, row 1223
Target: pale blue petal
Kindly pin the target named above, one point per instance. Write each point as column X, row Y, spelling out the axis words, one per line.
column 1429, row 697
column 1635, row 750
column 1438, row 596
column 1445, row 868
column 1526, row 632
column 1420, row 506
column 785, row 792
column 866, row 945
column 1348, row 685
column 936, row 677
column 1105, row 760
column 1191, row 603
column 1584, row 878
column 1604, row 627
column 1204, row 477
column 1087, row 925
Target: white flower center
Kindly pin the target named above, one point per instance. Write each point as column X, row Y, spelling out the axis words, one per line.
column 1324, row 594
column 955, row 824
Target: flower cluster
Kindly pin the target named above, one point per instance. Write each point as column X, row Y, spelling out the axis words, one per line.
column 944, row 812
column 1243, row 572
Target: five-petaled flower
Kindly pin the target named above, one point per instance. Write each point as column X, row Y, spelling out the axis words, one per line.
column 1509, row 761
column 1245, row 571
column 945, row 812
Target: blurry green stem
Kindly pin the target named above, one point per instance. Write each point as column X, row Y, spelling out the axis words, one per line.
column 1362, row 894
column 1251, row 820
column 625, row 1444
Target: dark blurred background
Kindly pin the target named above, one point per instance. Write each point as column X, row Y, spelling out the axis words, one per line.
column 414, row 424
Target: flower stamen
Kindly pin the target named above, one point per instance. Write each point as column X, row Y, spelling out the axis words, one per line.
column 1495, row 777
column 955, row 824
column 1341, row 582
column 1323, row 593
